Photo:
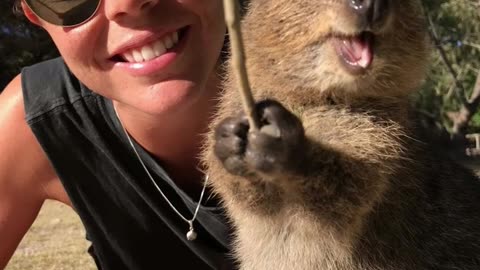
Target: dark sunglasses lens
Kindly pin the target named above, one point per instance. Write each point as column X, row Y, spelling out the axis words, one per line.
column 64, row 12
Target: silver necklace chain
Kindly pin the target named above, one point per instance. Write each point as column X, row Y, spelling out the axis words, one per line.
column 191, row 234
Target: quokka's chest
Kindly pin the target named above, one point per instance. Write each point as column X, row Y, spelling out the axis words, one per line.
column 296, row 243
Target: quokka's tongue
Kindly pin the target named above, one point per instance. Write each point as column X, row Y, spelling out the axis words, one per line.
column 357, row 50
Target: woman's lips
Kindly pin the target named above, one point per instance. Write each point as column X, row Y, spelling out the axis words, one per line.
column 156, row 64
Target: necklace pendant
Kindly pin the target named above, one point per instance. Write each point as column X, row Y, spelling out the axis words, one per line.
column 191, row 235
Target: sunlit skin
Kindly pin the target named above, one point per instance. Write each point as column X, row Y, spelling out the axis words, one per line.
column 164, row 108
column 165, row 103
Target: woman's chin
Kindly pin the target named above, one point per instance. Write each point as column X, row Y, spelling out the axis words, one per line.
column 171, row 99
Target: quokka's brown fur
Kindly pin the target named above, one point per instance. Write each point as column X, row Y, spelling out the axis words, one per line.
column 371, row 194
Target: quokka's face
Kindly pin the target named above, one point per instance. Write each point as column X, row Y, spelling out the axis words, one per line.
column 367, row 47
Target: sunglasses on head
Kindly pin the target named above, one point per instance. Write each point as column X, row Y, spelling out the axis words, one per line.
column 66, row 13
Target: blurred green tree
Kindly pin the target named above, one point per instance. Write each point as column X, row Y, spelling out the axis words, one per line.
column 451, row 94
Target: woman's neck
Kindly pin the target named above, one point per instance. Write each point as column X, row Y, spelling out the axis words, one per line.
column 175, row 140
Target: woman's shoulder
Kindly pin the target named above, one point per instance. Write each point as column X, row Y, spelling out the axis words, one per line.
column 20, row 144
column 48, row 85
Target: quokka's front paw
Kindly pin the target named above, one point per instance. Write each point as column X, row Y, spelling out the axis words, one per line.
column 279, row 145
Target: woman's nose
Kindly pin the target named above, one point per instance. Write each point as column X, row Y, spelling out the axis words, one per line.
column 117, row 10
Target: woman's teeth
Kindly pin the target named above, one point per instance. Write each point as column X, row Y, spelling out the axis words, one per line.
column 152, row 50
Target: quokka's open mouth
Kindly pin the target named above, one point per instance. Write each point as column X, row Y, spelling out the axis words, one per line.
column 355, row 52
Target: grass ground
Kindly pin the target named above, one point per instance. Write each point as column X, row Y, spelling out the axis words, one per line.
column 56, row 241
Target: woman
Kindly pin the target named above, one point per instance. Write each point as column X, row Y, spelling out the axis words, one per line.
column 113, row 128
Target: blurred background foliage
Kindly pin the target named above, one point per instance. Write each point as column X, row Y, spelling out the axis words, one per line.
column 446, row 94
column 455, row 65
column 21, row 43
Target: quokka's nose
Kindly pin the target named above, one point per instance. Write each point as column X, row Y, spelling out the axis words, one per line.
column 374, row 12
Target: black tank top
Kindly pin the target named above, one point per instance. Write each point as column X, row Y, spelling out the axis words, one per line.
column 127, row 221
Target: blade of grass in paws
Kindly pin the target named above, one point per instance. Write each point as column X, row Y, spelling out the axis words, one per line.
column 232, row 18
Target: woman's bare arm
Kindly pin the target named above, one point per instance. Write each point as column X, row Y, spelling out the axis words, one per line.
column 26, row 176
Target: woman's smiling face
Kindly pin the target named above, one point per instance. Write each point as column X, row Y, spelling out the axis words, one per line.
column 151, row 55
